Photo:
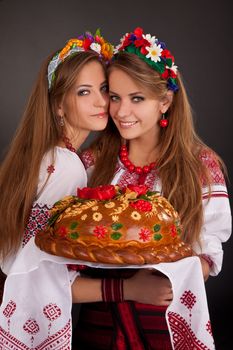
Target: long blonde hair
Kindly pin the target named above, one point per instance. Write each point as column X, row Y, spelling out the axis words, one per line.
column 180, row 168
column 38, row 132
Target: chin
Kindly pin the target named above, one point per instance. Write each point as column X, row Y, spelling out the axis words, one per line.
column 100, row 125
column 128, row 135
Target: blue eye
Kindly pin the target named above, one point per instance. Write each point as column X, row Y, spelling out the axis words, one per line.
column 83, row 92
column 104, row 88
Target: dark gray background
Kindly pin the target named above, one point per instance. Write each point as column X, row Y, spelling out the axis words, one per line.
column 199, row 34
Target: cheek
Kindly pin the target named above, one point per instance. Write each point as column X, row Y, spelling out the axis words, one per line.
column 107, row 99
column 113, row 108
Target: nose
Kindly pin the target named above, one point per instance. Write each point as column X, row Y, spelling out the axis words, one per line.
column 123, row 109
column 101, row 100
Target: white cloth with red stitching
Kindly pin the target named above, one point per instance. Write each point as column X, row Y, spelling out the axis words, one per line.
column 36, row 308
column 38, row 315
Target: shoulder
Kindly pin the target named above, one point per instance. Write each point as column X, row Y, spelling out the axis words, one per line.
column 88, row 158
column 61, row 161
column 211, row 162
column 61, row 172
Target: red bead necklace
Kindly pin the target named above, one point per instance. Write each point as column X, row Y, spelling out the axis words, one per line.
column 68, row 144
column 141, row 171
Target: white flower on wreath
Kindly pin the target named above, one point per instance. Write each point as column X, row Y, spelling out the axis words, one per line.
column 173, row 68
column 116, row 48
column 154, row 52
column 96, row 47
column 149, row 38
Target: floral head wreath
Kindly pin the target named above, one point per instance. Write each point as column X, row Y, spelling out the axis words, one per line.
column 153, row 52
column 84, row 42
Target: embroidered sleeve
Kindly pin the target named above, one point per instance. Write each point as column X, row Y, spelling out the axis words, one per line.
column 210, row 161
column 67, row 176
column 217, row 214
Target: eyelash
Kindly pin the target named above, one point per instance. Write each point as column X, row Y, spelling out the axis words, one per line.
column 104, row 88
column 85, row 92
column 114, row 98
column 135, row 99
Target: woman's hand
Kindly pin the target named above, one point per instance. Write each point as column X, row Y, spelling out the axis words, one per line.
column 148, row 287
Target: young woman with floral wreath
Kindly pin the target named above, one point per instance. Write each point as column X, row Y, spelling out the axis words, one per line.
column 70, row 99
column 151, row 140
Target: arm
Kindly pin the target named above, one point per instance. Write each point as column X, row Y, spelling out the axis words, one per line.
column 145, row 286
column 206, row 266
column 216, row 227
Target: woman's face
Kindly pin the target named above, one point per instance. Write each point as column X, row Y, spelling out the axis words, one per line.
column 85, row 106
column 133, row 109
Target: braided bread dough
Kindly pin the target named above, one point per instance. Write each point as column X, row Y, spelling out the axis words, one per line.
column 126, row 229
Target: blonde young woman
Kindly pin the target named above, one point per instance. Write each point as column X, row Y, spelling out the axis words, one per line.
column 70, row 99
column 151, row 140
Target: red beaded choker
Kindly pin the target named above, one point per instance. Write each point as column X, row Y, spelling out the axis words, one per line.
column 141, row 171
column 68, row 144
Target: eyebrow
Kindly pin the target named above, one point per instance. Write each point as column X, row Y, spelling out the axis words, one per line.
column 88, row 85
column 131, row 94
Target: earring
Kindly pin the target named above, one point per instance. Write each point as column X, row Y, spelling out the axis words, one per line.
column 163, row 121
column 61, row 121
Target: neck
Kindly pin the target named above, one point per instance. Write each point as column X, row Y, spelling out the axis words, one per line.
column 142, row 153
column 74, row 142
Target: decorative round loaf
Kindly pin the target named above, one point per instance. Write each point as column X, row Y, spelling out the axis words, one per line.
column 109, row 225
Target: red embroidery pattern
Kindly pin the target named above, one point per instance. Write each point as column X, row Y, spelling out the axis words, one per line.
column 37, row 221
column 128, row 178
column 87, row 158
column 31, row 326
column 52, row 311
column 189, row 300
column 209, row 328
column 9, row 309
column 58, row 341
column 222, row 193
column 50, row 169
column 183, row 336
column 211, row 163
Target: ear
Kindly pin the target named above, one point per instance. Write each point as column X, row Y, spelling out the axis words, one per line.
column 166, row 101
column 59, row 109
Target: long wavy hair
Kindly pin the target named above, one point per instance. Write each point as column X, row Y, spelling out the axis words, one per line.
column 38, row 132
column 180, row 167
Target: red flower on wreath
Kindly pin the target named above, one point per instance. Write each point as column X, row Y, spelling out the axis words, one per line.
column 138, row 31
